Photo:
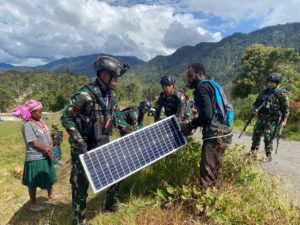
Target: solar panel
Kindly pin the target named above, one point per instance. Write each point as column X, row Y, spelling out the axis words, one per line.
column 116, row 160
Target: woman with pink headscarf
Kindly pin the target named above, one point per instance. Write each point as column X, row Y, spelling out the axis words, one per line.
column 38, row 169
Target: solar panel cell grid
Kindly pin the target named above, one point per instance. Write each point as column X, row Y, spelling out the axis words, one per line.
column 116, row 160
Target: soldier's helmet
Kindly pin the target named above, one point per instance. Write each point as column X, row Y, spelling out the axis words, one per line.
column 274, row 77
column 54, row 125
column 111, row 65
column 145, row 104
column 167, row 79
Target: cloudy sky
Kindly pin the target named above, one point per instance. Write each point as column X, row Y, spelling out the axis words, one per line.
column 34, row 32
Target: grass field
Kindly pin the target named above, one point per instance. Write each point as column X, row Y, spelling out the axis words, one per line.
column 156, row 195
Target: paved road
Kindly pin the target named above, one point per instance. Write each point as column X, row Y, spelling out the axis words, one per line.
column 286, row 163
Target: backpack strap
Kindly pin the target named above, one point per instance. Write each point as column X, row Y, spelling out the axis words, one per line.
column 97, row 97
column 222, row 105
column 218, row 95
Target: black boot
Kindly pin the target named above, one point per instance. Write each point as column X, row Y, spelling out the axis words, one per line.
column 111, row 204
column 268, row 156
column 253, row 152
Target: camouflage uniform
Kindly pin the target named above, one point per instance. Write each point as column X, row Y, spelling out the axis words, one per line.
column 79, row 119
column 57, row 137
column 132, row 117
column 176, row 104
column 268, row 116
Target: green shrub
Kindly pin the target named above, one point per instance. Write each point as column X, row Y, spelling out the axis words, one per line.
column 244, row 193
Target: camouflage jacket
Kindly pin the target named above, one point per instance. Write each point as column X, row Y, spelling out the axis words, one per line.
column 57, row 137
column 176, row 104
column 277, row 105
column 85, row 110
column 130, row 118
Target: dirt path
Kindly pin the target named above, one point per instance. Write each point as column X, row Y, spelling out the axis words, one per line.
column 286, row 163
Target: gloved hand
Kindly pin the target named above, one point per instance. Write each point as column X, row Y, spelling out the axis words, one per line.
column 128, row 129
column 82, row 147
column 186, row 129
column 284, row 123
column 254, row 111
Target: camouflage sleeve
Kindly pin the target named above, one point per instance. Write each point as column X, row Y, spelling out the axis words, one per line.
column 285, row 104
column 72, row 111
column 158, row 107
column 135, row 118
column 117, row 113
column 181, row 106
column 120, row 121
column 258, row 101
column 54, row 138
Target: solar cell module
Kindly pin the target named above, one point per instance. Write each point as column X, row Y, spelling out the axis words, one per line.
column 116, row 160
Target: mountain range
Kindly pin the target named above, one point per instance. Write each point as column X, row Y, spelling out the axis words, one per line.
column 221, row 59
column 77, row 65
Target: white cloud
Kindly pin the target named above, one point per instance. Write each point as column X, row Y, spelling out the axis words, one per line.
column 235, row 12
column 231, row 9
column 35, row 32
column 178, row 35
column 283, row 12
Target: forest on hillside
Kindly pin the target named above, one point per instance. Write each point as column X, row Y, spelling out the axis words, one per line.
column 54, row 89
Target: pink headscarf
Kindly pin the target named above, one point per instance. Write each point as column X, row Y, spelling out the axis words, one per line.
column 33, row 105
column 24, row 111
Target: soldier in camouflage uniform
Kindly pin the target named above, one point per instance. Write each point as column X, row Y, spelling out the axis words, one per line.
column 57, row 137
column 173, row 100
column 132, row 118
column 274, row 113
column 89, row 120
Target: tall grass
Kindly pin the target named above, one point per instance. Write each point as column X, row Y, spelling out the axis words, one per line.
column 164, row 193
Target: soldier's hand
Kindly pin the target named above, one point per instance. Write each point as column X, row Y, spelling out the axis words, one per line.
column 82, row 147
column 128, row 129
column 283, row 124
column 254, row 111
column 186, row 129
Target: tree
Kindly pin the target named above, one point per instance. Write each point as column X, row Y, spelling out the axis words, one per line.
column 131, row 91
column 5, row 99
column 151, row 92
column 258, row 61
column 54, row 89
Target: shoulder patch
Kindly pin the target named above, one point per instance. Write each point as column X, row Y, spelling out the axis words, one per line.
column 83, row 96
column 76, row 108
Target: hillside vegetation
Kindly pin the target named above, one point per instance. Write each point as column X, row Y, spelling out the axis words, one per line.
column 221, row 59
column 54, row 89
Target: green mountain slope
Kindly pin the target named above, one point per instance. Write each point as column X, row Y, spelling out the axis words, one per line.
column 221, row 59
column 77, row 65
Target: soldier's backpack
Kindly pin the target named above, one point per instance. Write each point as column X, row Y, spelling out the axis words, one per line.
column 222, row 107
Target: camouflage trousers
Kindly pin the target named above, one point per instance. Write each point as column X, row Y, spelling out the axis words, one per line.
column 266, row 128
column 79, row 185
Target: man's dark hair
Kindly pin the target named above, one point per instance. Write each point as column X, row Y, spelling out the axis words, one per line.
column 198, row 67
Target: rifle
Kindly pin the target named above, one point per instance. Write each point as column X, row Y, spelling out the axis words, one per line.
column 279, row 131
column 254, row 112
